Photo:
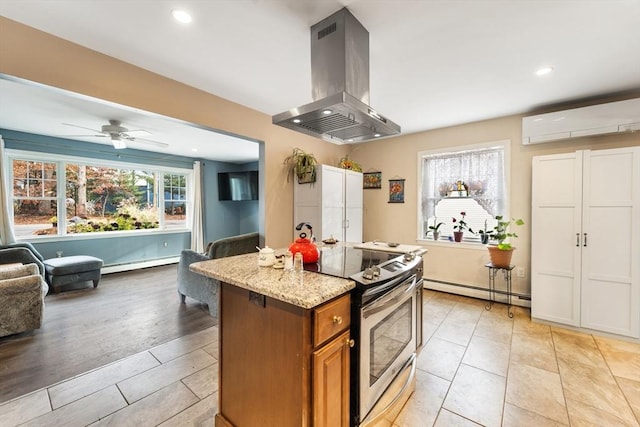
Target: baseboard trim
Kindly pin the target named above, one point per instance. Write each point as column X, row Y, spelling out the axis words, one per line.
column 476, row 292
column 139, row 265
column 593, row 332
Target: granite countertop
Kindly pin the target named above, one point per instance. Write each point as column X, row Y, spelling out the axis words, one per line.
column 306, row 289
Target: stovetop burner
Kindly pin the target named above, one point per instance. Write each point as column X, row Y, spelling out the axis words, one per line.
column 365, row 267
column 345, row 261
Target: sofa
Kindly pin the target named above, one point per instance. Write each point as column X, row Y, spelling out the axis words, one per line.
column 22, row 292
column 22, row 252
column 205, row 289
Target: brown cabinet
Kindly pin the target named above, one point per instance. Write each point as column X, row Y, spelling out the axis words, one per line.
column 331, row 383
column 282, row 365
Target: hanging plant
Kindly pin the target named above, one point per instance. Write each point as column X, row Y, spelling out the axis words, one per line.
column 302, row 164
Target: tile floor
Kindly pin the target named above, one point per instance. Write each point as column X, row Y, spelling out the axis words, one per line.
column 478, row 367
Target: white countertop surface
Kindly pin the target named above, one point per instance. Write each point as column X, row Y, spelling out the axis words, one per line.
column 383, row 246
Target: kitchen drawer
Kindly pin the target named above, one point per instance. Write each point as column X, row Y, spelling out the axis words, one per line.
column 331, row 319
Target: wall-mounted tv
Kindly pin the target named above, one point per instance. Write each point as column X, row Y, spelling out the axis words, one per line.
column 238, row 186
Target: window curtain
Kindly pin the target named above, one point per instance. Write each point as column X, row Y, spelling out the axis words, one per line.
column 6, row 232
column 197, row 229
column 482, row 171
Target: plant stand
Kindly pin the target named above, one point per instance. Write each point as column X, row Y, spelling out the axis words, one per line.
column 493, row 270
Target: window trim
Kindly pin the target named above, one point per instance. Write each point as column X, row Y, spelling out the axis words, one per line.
column 506, row 146
column 62, row 160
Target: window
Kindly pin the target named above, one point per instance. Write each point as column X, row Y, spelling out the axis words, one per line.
column 175, row 200
column 96, row 197
column 469, row 179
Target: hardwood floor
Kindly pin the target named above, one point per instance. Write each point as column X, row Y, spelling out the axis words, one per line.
column 84, row 329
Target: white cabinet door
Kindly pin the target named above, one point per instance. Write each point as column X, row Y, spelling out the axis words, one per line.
column 332, row 203
column 353, row 206
column 585, row 240
column 610, row 299
column 555, row 238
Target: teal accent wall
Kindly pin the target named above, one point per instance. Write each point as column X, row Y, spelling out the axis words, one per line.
column 221, row 219
column 120, row 250
column 226, row 218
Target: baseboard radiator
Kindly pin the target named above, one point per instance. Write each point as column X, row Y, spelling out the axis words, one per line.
column 117, row 268
column 481, row 292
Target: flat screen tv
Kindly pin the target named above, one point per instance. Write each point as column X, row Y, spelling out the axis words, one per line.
column 238, row 186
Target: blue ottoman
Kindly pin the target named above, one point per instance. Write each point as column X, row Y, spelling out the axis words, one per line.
column 72, row 269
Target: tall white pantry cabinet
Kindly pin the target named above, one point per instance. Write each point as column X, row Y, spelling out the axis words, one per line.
column 585, row 240
column 333, row 204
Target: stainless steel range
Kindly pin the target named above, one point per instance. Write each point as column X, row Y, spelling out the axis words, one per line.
column 386, row 324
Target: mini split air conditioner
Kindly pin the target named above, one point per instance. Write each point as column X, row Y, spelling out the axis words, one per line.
column 612, row 117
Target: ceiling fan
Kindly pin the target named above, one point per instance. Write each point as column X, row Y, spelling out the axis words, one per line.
column 119, row 134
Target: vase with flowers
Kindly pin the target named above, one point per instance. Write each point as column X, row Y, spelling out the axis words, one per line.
column 347, row 163
column 459, row 225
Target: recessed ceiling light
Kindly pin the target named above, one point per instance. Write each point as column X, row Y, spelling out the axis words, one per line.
column 181, row 16
column 297, row 121
column 544, row 71
column 326, row 112
column 376, row 135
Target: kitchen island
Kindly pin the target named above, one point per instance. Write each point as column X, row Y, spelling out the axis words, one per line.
column 284, row 357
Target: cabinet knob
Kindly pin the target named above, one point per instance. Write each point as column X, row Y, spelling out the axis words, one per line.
column 337, row 320
column 350, row 342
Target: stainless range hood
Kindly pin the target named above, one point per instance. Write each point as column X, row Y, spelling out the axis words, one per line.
column 340, row 83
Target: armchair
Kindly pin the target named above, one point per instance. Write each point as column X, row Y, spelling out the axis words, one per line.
column 22, row 292
column 205, row 289
column 23, row 253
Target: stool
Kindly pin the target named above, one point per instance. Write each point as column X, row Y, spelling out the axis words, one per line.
column 72, row 269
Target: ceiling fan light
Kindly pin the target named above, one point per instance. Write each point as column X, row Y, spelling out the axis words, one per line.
column 118, row 143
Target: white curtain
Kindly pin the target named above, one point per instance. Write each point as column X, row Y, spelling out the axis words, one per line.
column 481, row 170
column 197, row 230
column 6, row 232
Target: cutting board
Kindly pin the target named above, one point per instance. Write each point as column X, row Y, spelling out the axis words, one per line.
column 381, row 246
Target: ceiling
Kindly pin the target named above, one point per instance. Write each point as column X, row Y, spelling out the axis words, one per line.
column 432, row 63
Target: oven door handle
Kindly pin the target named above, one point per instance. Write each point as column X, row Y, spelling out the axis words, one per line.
column 389, row 300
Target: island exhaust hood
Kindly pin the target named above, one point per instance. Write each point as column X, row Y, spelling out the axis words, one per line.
column 339, row 112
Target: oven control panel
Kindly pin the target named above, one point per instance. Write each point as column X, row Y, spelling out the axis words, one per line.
column 387, row 270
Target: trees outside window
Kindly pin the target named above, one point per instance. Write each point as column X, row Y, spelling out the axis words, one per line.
column 175, row 200
column 96, row 198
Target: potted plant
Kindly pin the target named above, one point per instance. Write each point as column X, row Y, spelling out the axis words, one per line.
column 500, row 254
column 347, row 163
column 435, row 229
column 460, row 225
column 302, row 164
column 54, row 221
column 485, row 234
